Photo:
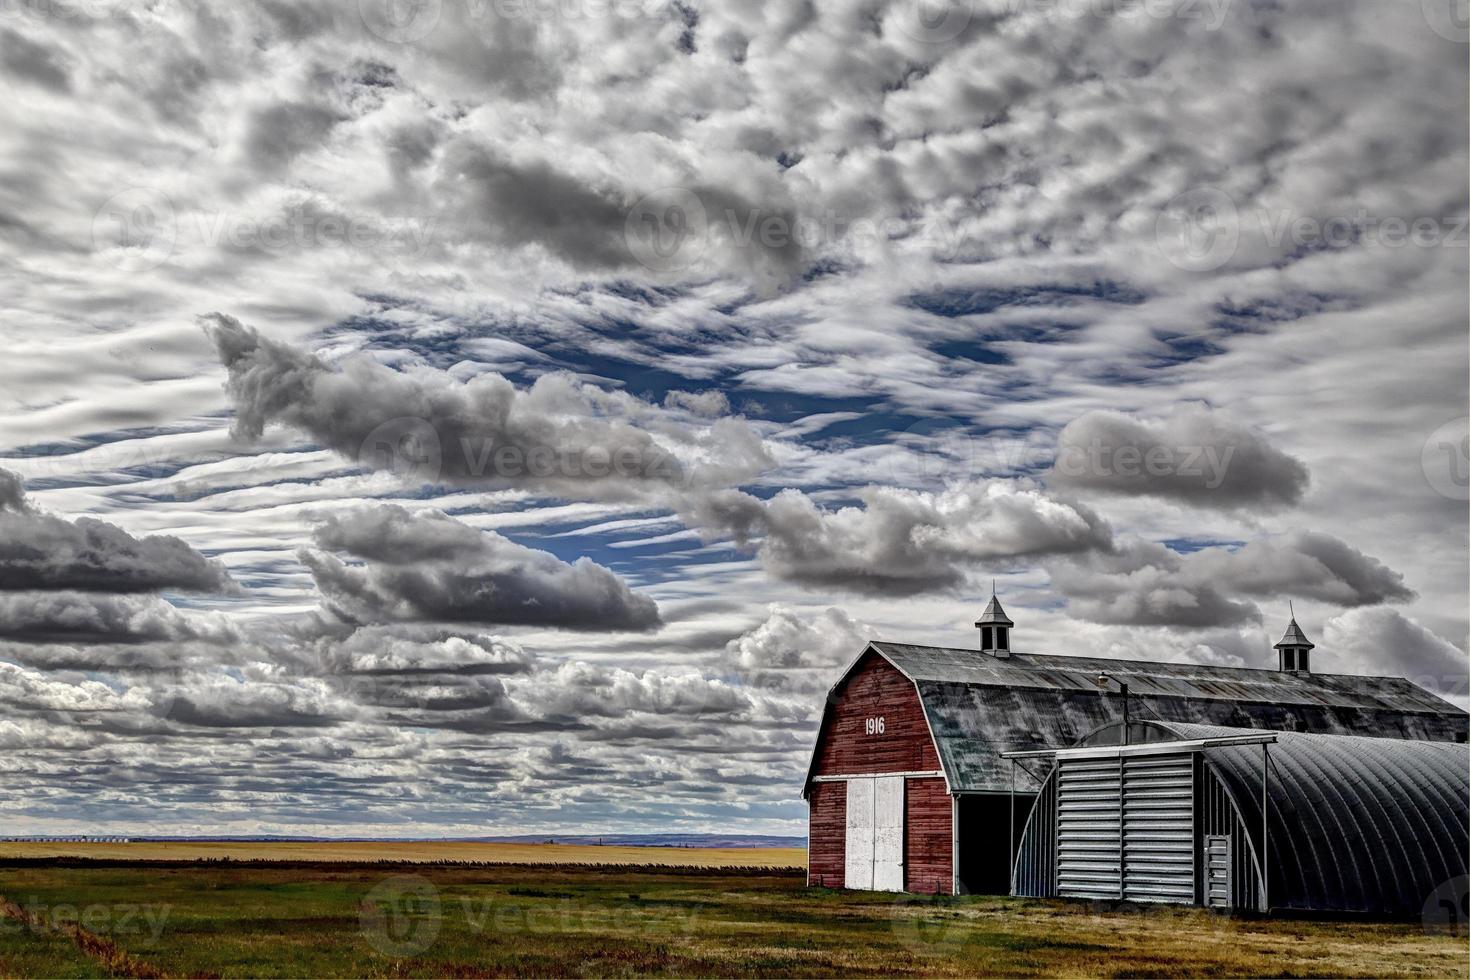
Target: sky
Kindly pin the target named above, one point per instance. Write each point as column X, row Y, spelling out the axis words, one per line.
column 456, row 417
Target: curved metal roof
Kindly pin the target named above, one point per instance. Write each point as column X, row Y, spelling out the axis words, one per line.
column 1356, row 823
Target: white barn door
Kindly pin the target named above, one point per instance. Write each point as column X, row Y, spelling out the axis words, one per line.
column 874, row 852
column 888, row 834
column 859, row 870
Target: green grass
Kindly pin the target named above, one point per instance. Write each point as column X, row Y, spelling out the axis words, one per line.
column 228, row 920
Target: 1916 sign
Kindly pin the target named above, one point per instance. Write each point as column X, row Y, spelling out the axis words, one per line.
column 874, row 726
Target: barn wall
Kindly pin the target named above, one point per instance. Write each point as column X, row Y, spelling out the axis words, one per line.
column 826, row 830
column 875, row 689
column 928, row 841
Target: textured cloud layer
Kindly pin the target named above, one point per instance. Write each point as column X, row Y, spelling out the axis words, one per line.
column 899, row 541
column 1195, row 456
column 43, row 551
column 430, row 567
column 558, row 435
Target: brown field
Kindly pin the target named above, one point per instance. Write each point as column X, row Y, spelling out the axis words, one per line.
column 235, row 919
column 413, row 851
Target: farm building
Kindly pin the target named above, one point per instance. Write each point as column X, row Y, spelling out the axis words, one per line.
column 1180, row 814
column 909, row 787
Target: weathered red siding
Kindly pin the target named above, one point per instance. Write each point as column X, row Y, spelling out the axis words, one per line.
column 928, row 840
column 876, row 689
column 826, row 834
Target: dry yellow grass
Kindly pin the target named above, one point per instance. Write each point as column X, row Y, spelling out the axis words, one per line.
column 418, row 851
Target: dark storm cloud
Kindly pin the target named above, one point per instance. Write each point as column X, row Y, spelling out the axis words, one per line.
column 1195, row 456
column 426, row 426
column 430, row 567
column 42, row 551
column 899, row 542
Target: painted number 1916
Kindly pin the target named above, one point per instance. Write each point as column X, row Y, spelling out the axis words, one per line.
column 874, row 726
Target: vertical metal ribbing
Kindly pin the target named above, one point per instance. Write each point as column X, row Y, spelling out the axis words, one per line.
column 1265, row 831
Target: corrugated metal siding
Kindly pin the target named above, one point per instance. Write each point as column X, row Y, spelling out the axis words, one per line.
column 1218, row 817
column 1355, row 824
column 1158, row 828
column 1089, row 820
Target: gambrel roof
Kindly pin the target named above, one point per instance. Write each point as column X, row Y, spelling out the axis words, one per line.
column 978, row 705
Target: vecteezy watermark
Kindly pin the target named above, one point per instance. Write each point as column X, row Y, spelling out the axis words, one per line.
column 400, row 21
column 1447, row 908
column 139, row 229
column 84, row 9
column 1445, row 459
column 100, row 918
column 1201, row 229
column 934, row 21
column 136, row 229
column 928, row 924
column 412, row 449
column 1204, row 465
column 672, row 229
column 537, row 910
column 1198, row 230
column 1210, row 14
column 1450, row 19
column 401, row 915
column 668, row 230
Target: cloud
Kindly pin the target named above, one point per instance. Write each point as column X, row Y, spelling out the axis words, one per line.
column 1303, row 564
column 1195, row 456
column 432, row 568
column 76, row 617
column 41, row 551
column 559, row 435
column 1382, row 642
column 900, row 542
column 797, row 652
column 1142, row 583
column 1146, row 583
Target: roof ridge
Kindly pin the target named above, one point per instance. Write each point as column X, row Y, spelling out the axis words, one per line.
column 1113, row 660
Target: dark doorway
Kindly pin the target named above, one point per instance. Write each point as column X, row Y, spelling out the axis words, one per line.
column 988, row 840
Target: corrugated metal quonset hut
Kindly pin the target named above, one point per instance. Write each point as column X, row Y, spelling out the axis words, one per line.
column 1351, row 824
column 907, row 789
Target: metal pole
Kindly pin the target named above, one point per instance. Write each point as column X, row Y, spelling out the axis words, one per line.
column 1265, row 831
column 1011, row 854
column 1124, row 688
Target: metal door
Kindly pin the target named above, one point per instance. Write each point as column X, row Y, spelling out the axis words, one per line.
column 1219, row 893
column 888, row 807
column 1089, row 848
column 1158, row 828
column 858, row 871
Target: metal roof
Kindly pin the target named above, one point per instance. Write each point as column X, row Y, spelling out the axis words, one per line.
column 1355, row 823
column 979, row 706
column 994, row 615
column 1294, row 637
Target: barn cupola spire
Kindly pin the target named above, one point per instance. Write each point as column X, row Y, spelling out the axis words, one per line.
column 1294, row 647
column 995, row 628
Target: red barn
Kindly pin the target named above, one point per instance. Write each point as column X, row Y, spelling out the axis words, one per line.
column 907, row 790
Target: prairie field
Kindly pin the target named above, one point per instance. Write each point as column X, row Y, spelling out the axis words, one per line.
column 74, row 918
column 410, row 852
